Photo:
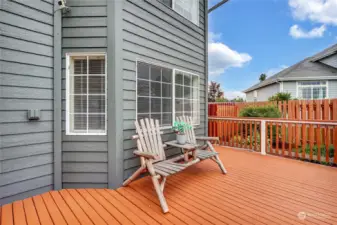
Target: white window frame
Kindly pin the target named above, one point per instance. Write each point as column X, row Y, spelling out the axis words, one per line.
column 83, row 54
column 174, row 96
column 172, row 90
column 197, row 11
column 298, row 86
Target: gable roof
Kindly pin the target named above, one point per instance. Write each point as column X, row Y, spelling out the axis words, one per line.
column 309, row 68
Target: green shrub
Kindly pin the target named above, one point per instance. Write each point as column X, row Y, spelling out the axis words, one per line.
column 280, row 96
column 315, row 150
column 268, row 111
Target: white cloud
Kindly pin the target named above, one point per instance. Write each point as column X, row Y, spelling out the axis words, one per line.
column 297, row 32
column 231, row 94
column 321, row 11
column 273, row 71
column 221, row 57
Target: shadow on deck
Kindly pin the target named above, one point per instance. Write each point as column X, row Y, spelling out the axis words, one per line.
column 257, row 190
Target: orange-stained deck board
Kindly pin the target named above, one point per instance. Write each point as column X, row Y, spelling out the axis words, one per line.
column 257, row 190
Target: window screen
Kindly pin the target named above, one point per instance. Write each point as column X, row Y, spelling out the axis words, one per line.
column 86, row 94
column 154, row 93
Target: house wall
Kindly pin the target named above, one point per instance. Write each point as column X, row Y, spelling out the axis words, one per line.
column 250, row 96
column 84, row 158
column 26, row 82
column 332, row 88
column 155, row 33
column 290, row 87
column 331, row 60
column 263, row 93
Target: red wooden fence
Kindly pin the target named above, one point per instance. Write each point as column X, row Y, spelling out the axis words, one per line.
column 325, row 109
column 310, row 140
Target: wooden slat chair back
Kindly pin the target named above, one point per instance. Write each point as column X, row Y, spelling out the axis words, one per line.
column 149, row 138
column 206, row 151
column 190, row 135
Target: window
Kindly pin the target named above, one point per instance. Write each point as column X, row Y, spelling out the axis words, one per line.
column 186, row 95
column 164, row 94
column 187, row 8
column 154, row 93
column 86, row 94
column 312, row 89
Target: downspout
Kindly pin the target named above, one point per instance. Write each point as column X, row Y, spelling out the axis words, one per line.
column 57, row 104
column 206, row 64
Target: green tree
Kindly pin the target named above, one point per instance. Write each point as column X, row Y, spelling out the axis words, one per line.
column 214, row 91
column 262, row 77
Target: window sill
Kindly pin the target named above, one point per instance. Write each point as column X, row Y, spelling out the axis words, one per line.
column 86, row 134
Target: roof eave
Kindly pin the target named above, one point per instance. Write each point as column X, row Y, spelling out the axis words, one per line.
column 266, row 84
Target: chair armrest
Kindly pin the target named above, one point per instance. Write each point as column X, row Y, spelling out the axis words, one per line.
column 207, row 138
column 147, row 155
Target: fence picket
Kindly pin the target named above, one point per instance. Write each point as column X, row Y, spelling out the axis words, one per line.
column 283, row 138
column 277, row 139
column 255, row 134
column 250, row 136
column 271, row 138
column 290, row 139
column 297, row 139
column 311, row 140
column 335, row 144
column 327, row 144
column 304, row 140
column 318, row 139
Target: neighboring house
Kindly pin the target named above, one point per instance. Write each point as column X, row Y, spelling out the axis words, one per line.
column 313, row 78
column 88, row 75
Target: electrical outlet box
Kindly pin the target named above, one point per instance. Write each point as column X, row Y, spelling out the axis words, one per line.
column 34, row 114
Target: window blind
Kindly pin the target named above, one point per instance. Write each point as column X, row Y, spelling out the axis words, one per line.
column 87, row 95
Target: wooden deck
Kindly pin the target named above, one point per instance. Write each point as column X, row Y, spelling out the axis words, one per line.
column 257, row 190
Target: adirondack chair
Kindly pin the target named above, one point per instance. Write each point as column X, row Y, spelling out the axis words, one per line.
column 206, row 151
column 153, row 159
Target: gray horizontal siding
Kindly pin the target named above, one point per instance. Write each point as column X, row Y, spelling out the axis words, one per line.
column 330, row 61
column 265, row 92
column 290, row 87
column 26, row 79
column 332, row 89
column 84, row 158
column 250, row 96
column 155, row 33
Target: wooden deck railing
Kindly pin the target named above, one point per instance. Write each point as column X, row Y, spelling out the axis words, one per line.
column 308, row 140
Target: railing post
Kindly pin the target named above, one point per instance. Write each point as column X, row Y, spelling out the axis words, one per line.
column 263, row 137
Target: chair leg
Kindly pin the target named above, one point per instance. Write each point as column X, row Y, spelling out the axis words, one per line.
column 157, row 187
column 216, row 158
column 218, row 161
column 134, row 175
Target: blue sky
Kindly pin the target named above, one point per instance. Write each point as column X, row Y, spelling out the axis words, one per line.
column 250, row 37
